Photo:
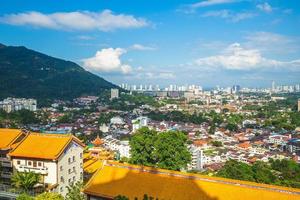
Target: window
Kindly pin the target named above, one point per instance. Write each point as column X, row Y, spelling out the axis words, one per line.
column 69, row 160
column 18, row 162
column 62, row 179
column 34, row 164
column 29, row 163
column 39, row 164
column 73, row 169
column 73, row 158
column 73, row 178
column 61, row 168
column 80, row 155
column 69, row 171
column 70, row 180
column 61, row 189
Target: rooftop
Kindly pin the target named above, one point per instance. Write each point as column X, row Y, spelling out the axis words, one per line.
column 43, row 146
column 8, row 137
column 114, row 179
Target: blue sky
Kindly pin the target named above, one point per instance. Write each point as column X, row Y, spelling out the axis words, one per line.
column 208, row 42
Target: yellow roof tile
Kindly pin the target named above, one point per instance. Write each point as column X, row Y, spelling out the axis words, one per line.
column 92, row 165
column 8, row 137
column 43, row 146
column 132, row 181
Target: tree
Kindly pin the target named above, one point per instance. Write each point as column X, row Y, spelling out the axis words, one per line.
column 142, row 147
column 121, row 197
column 74, row 192
column 262, row 173
column 25, row 180
column 24, row 197
column 166, row 150
column 232, row 127
column 217, row 143
column 171, row 150
column 49, row 196
column 212, row 129
column 236, row 170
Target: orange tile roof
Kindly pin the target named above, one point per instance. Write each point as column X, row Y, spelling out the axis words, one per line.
column 132, row 181
column 8, row 137
column 244, row 145
column 43, row 146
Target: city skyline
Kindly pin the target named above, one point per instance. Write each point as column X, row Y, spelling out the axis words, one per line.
column 165, row 42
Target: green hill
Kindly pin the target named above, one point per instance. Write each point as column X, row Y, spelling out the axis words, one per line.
column 27, row 73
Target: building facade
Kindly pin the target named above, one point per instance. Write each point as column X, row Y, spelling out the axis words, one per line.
column 57, row 158
column 15, row 104
column 114, row 94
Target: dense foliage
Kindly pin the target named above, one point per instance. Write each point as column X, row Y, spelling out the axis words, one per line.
column 166, row 150
column 127, row 102
column 178, row 116
column 21, row 117
column 279, row 172
column 25, row 181
column 27, row 73
column 49, row 196
column 74, row 192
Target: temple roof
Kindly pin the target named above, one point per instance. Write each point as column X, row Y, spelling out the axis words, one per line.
column 114, row 179
column 97, row 142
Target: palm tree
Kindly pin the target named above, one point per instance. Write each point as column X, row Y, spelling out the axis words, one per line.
column 25, row 181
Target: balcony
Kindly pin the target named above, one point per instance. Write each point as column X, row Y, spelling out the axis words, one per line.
column 38, row 170
column 6, row 163
column 6, row 175
column 4, row 159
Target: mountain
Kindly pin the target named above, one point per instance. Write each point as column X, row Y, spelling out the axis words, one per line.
column 30, row 74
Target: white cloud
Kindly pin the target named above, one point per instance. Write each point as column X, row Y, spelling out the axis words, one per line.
column 265, row 7
column 267, row 38
column 191, row 8
column 227, row 14
column 217, row 13
column 84, row 37
column 107, row 60
column 235, row 57
column 211, row 3
column 79, row 20
column 273, row 43
column 140, row 47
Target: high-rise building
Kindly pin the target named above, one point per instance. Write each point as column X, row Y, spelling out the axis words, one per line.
column 273, row 86
column 236, row 88
column 114, row 94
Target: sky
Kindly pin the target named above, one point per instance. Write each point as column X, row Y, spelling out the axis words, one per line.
column 203, row 42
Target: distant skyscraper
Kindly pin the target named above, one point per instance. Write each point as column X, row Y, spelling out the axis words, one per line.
column 273, row 86
column 236, row 88
column 114, row 93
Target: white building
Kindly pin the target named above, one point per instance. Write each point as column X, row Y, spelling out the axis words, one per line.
column 122, row 147
column 197, row 158
column 139, row 123
column 57, row 158
column 117, row 120
column 104, row 128
column 114, row 94
column 15, row 104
